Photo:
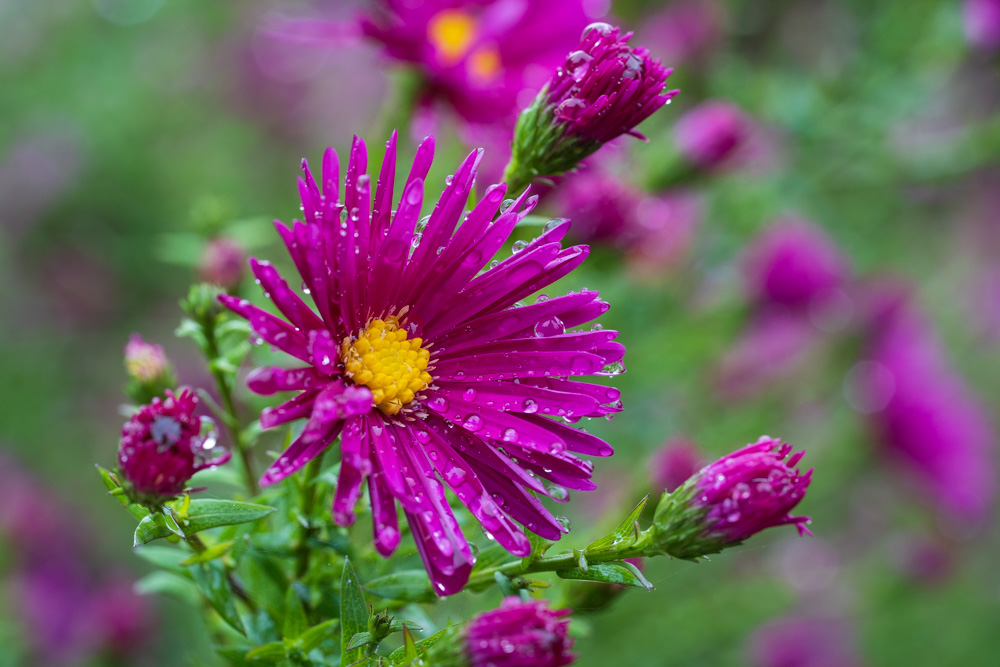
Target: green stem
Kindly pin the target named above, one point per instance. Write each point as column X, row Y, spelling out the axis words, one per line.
column 231, row 417
column 308, row 502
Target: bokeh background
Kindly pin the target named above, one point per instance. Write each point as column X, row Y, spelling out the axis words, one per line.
column 857, row 154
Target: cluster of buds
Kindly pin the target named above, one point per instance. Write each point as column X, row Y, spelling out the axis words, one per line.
column 163, row 445
column 604, row 90
column 730, row 500
column 518, row 634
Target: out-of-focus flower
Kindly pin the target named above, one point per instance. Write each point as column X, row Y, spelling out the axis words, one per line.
column 981, row 20
column 663, row 234
column 684, row 30
column 602, row 207
column 144, row 361
column 793, row 263
column 162, row 446
column 424, row 366
column 122, row 619
column 519, row 634
column 923, row 559
column 927, row 416
column 604, row 90
column 984, row 302
column 732, row 499
column 709, row 135
column 804, row 642
column 223, row 263
column 673, row 463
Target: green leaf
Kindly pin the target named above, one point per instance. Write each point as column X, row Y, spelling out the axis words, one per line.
column 295, row 616
column 621, row 573
column 315, row 635
column 209, row 513
column 626, row 532
column 213, row 581
column 354, row 614
column 153, row 527
column 406, row 585
column 539, row 545
column 210, row 553
column 110, row 480
column 360, row 639
column 168, row 558
column 167, row 583
column 273, row 652
column 410, row 650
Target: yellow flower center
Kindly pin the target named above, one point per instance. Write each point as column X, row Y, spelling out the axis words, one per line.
column 484, row 63
column 451, row 32
column 383, row 359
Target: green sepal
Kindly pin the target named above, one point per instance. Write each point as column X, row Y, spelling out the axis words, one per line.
column 116, row 490
column 628, row 530
column 622, row 573
column 406, row 585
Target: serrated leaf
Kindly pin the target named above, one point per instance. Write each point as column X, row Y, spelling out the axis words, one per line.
column 213, row 582
column 626, row 531
column 209, row 513
column 406, row 585
column 621, row 573
column 210, row 553
column 354, row 613
column 273, row 652
column 154, row 527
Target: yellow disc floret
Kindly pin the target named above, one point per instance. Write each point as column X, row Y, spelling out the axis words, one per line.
column 452, row 32
column 383, row 359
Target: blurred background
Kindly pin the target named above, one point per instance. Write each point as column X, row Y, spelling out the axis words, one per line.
column 808, row 247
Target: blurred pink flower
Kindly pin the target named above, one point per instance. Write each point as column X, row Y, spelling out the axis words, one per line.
column 981, row 21
column 684, row 30
column 929, row 418
column 804, row 642
column 673, row 463
column 601, row 207
column 711, row 134
column 664, row 232
column 793, row 263
column 52, row 598
column 123, row 620
column 223, row 263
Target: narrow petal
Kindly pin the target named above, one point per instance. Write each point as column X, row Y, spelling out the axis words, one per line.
column 296, row 408
column 287, row 301
column 385, row 523
column 268, row 380
column 354, row 467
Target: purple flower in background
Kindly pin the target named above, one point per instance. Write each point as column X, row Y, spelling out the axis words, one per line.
column 426, row 365
column 478, row 55
column 804, row 642
column 673, row 463
column 926, row 415
column 710, row 134
column 664, row 233
column 732, row 499
column 684, row 30
column 602, row 207
column 519, row 634
column 49, row 596
column 162, row 446
column 606, row 87
column 793, row 263
column 223, row 263
column 122, row 619
column 981, row 21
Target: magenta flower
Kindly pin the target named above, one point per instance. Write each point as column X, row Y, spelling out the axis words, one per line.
column 794, row 263
column 804, row 642
column 684, row 29
column 981, row 21
column 162, row 446
column 519, row 634
column 478, row 55
column 604, row 89
column 223, row 263
column 928, row 418
column 673, row 463
column 603, row 207
column 736, row 497
column 710, row 134
column 426, row 366
column 145, row 362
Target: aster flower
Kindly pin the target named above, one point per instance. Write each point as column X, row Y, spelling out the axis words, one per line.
column 728, row 501
column 518, row 634
column 150, row 372
column 710, row 134
column 162, row 446
column 604, row 90
column 602, row 205
column 428, row 368
column 223, row 263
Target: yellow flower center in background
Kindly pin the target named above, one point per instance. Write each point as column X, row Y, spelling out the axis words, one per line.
column 484, row 63
column 383, row 359
column 451, row 32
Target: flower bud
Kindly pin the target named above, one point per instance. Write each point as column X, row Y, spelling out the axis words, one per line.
column 149, row 371
column 518, row 634
column 728, row 501
column 711, row 133
column 162, row 446
column 604, row 90
column 223, row 263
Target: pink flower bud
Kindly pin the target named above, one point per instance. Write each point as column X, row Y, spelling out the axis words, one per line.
column 519, row 634
column 223, row 263
column 711, row 133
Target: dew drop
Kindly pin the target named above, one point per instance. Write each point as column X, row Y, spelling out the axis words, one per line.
column 519, row 246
